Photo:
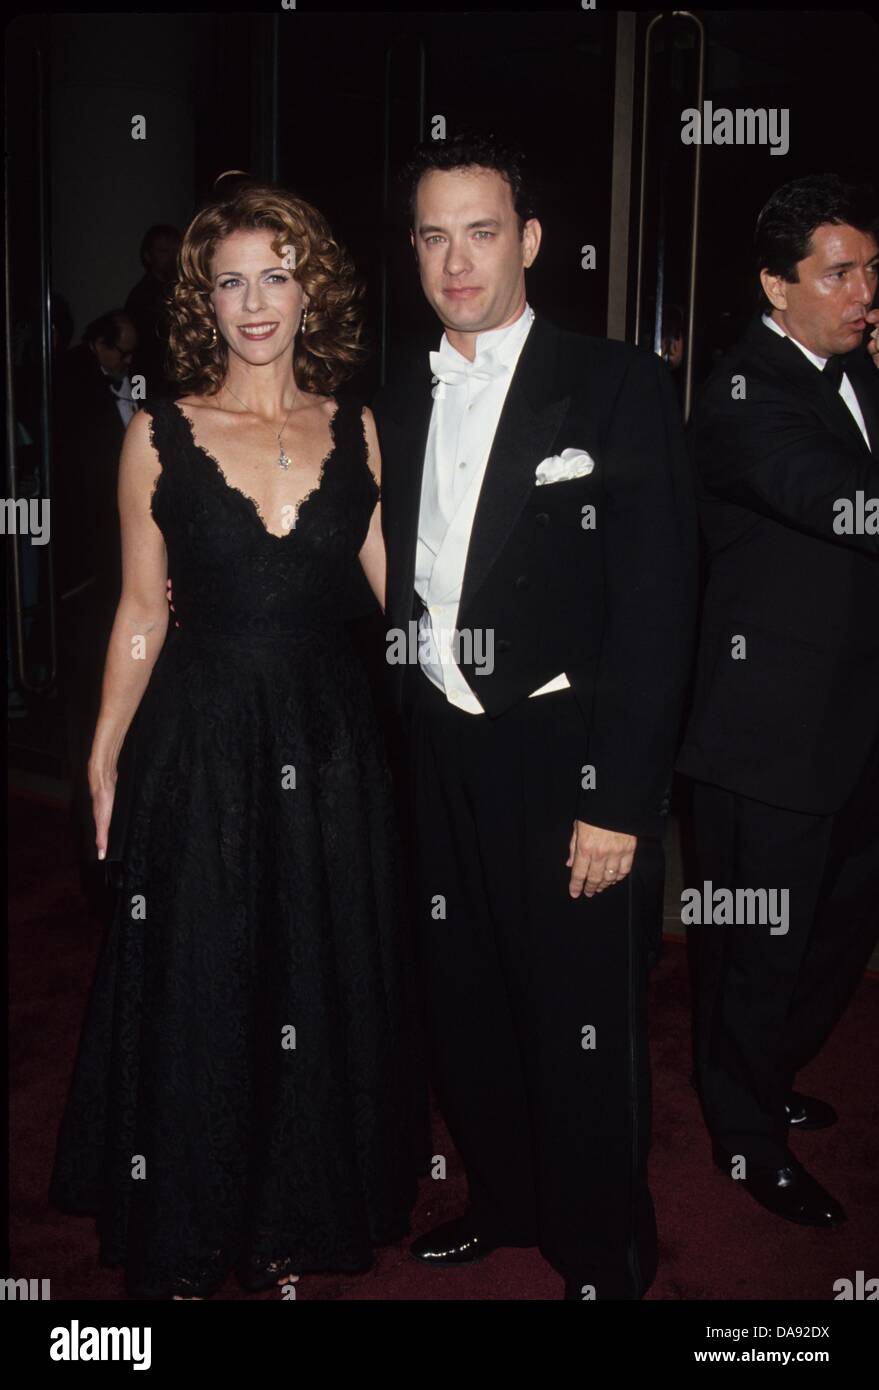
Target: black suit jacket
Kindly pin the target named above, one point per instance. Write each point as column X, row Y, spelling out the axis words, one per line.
column 147, row 305
column 792, row 723
column 612, row 607
column 88, row 438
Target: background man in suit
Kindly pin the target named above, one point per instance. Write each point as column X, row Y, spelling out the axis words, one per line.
column 147, row 305
column 92, row 407
column 549, row 731
column 783, row 737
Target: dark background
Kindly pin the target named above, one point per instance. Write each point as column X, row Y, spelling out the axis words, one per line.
column 330, row 103
column 346, row 83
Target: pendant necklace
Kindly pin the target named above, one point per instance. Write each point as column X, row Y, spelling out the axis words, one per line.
column 284, row 459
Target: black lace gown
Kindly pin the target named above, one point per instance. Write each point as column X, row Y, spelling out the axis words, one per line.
column 248, row 1088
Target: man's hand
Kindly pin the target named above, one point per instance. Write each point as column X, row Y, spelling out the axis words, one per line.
column 873, row 340
column 598, row 858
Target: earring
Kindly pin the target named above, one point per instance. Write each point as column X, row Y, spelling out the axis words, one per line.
column 213, row 341
column 303, row 322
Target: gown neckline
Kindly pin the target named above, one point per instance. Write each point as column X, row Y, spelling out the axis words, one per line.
column 256, row 512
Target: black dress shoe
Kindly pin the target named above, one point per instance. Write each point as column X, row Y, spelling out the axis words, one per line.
column 789, row 1192
column 456, row 1242
column 805, row 1112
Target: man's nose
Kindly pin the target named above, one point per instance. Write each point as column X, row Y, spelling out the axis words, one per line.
column 863, row 290
column 457, row 259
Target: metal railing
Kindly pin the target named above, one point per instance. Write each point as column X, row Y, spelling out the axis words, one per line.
column 666, row 18
column 44, row 452
column 386, row 180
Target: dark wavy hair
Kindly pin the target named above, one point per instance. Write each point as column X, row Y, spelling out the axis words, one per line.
column 107, row 328
column 331, row 348
column 465, row 150
column 785, row 225
column 151, row 236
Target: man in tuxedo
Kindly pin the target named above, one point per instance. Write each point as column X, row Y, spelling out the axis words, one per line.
column 92, row 407
column 541, row 537
column 147, row 305
column 783, row 738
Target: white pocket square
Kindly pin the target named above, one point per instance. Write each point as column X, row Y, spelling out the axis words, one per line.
column 570, row 463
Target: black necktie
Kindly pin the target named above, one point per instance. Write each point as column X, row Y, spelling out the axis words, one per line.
column 833, row 371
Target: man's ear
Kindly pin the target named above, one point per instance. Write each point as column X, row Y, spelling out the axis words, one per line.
column 775, row 289
column 531, row 235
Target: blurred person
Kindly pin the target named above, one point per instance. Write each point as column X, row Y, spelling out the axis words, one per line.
column 147, row 304
column 92, row 406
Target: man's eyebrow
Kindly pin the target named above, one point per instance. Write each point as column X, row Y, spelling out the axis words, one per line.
column 268, row 269
column 482, row 222
column 847, row 265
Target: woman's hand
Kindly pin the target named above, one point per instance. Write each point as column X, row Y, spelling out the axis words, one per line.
column 168, row 597
column 103, row 791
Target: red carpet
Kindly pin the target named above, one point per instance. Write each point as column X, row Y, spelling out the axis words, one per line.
column 715, row 1242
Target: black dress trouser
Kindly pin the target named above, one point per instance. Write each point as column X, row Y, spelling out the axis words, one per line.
column 765, row 1004
column 536, row 1002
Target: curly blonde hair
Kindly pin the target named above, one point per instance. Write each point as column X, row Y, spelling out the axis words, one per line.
column 331, row 348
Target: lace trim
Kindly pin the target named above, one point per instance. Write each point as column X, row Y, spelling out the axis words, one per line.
column 309, row 496
column 149, row 412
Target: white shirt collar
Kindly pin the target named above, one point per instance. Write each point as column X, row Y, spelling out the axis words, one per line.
column 116, row 385
column 506, row 342
column 812, row 356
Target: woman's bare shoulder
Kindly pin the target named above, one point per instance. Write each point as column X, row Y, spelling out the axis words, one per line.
column 198, row 402
column 325, row 404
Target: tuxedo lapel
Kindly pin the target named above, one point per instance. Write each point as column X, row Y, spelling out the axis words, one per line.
column 864, row 380
column 839, row 413
column 786, row 357
column 529, row 421
column 531, row 417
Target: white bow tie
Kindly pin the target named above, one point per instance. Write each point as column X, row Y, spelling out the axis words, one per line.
column 448, row 371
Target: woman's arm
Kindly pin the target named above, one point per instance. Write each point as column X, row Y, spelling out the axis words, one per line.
column 141, row 620
column 372, row 554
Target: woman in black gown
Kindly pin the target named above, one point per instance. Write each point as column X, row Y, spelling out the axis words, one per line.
column 248, row 1092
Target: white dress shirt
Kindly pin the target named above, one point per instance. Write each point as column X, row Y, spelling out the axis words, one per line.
column 845, row 386
column 122, row 391
column 466, row 410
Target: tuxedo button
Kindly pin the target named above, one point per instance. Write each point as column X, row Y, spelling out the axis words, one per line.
column 542, row 518
column 502, row 645
column 522, row 582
